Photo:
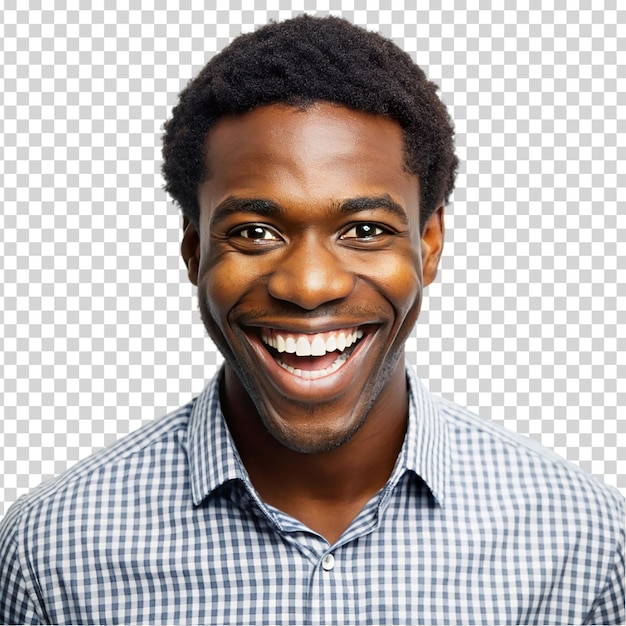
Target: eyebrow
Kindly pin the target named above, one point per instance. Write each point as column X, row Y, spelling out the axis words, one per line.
column 234, row 204
column 267, row 208
column 367, row 203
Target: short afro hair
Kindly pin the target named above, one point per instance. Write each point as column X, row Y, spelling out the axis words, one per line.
column 298, row 62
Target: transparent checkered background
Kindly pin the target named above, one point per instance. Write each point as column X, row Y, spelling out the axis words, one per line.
column 100, row 330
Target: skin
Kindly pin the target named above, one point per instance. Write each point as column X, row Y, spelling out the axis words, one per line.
column 310, row 223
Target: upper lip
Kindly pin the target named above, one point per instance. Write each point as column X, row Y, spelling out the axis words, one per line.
column 298, row 328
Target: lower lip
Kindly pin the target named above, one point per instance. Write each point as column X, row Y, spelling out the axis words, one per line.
column 327, row 386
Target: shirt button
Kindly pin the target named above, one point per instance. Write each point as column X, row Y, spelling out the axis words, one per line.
column 328, row 562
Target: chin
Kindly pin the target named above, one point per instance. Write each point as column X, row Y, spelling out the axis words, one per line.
column 313, row 438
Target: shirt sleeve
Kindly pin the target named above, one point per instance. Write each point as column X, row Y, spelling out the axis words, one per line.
column 610, row 606
column 16, row 606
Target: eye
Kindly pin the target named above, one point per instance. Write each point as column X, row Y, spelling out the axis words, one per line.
column 365, row 231
column 256, row 232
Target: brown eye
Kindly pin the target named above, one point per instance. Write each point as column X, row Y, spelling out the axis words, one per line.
column 363, row 231
column 256, row 232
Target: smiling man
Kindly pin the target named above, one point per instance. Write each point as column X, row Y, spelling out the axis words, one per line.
column 309, row 268
column 315, row 480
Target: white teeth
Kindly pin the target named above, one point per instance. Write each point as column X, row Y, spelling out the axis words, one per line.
column 341, row 342
column 280, row 344
column 331, row 344
column 303, row 347
column 312, row 345
column 313, row 374
column 318, row 346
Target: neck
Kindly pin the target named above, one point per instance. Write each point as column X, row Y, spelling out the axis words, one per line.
column 322, row 487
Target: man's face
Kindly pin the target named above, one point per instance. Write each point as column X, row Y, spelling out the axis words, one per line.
column 310, row 265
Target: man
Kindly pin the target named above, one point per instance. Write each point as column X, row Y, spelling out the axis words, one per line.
column 315, row 480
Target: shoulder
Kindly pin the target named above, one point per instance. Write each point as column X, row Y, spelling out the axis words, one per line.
column 482, row 456
column 508, row 470
column 493, row 448
column 103, row 470
column 79, row 515
column 555, row 519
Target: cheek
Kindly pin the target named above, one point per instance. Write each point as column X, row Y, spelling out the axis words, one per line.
column 406, row 282
column 214, row 290
column 219, row 296
column 399, row 277
column 401, row 285
column 224, row 281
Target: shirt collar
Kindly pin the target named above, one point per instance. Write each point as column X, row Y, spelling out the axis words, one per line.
column 214, row 460
column 426, row 450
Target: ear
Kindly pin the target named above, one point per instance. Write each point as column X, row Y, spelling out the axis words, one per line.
column 432, row 245
column 190, row 250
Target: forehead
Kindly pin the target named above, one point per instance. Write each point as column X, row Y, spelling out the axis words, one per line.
column 321, row 152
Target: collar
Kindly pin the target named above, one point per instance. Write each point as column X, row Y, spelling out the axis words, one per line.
column 213, row 457
column 214, row 460
column 426, row 449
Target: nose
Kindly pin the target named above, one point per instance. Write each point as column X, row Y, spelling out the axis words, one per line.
column 310, row 275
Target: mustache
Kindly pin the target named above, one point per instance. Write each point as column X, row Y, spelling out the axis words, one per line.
column 246, row 314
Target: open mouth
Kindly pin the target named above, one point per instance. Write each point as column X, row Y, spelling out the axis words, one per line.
column 312, row 356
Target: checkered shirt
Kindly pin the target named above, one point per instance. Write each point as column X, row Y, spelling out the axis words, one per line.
column 475, row 525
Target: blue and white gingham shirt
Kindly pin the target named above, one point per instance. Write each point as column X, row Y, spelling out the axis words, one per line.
column 476, row 525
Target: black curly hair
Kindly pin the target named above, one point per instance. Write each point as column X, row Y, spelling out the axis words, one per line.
column 298, row 62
